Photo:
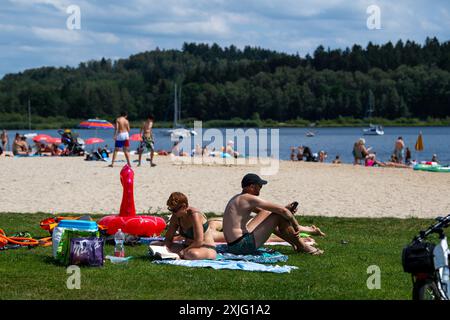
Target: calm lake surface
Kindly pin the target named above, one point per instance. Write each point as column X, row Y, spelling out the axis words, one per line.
column 335, row 141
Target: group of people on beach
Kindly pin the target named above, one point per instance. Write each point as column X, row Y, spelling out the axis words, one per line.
column 400, row 158
column 21, row 147
column 198, row 151
column 243, row 232
column 122, row 138
column 122, row 141
column 304, row 153
column 362, row 155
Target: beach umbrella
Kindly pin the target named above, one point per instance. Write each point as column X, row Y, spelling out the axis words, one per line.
column 93, row 141
column 136, row 137
column 42, row 138
column 419, row 143
column 95, row 124
column 54, row 140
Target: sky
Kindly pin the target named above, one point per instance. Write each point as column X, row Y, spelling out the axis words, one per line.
column 35, row 33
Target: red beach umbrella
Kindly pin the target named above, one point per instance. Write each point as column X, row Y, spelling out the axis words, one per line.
column 93, row 141
column 54, row 140
column 136, row 137
column 42, row 138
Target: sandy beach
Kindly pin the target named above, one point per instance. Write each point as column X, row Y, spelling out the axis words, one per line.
column 72, row 185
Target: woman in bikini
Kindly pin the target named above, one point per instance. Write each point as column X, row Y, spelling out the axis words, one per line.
column 193, row 226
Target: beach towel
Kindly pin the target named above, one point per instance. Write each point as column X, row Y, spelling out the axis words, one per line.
column 28, row 156
column 263, row 255
column 148, row 240
column 228, row 264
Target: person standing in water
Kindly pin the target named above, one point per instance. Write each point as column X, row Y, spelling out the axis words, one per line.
column 147, row 139
column 122, row 137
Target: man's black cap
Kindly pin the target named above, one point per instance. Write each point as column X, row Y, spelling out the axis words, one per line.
column 251, row 178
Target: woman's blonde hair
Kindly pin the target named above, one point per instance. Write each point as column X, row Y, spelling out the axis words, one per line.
column 177, row 199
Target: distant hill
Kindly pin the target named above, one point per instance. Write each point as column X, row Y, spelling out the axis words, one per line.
column 401, row 80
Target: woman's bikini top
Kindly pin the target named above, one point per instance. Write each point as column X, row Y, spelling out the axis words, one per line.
column 189, row 233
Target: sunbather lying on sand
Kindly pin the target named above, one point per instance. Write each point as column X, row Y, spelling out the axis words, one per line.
column 372, row 161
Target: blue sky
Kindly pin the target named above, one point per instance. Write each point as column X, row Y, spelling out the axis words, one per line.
column 33, row 33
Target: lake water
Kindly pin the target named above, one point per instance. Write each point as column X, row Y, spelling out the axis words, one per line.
column 335, row 141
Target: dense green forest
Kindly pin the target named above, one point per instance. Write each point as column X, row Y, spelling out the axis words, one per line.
column 408, row 80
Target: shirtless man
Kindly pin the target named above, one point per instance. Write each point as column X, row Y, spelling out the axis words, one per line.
column 399, row 149
column 121, row 137
column 244, row 236
column 147, row 139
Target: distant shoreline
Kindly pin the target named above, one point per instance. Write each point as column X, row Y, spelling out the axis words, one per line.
column 19, row 122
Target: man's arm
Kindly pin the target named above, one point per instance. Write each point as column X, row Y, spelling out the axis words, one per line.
column 150, row 127
column 256, row 202
column 173, row 226
column 116, row 127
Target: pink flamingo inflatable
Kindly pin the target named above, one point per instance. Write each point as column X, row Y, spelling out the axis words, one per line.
column 127, row 220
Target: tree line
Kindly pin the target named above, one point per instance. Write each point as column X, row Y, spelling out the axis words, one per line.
column 401, row 80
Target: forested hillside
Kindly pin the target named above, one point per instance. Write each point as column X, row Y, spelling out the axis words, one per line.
column 395, row 80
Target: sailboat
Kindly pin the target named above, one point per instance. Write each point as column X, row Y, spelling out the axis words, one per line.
column 31, row 134
column 178, row 131
column 372, row 130
column 310, row 134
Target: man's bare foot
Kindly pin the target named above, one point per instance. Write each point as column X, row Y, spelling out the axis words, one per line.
column 311, row 250
column 312, row 230
column 318, row 231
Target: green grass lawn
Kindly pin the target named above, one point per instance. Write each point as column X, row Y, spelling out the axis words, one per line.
column 339, row 274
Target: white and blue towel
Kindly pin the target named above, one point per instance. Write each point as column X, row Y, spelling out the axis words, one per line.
column 228, row 264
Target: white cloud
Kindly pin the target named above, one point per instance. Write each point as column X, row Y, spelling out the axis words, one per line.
column 61, row 5
column 118, row 28
column 57, row 35
column 214, row 26
column 139, row 44
column 74, row 37
column 9, row 27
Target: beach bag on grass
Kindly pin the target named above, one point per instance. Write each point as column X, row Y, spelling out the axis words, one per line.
column 67, row 223
column 63, row 251
column 86, row 252
column 418, row 258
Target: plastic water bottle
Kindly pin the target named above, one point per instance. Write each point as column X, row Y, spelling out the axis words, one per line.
column 119, row 239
